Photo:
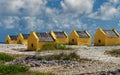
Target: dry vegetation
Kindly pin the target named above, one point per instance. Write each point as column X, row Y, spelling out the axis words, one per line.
column 11, row 69
column 55, row 47
column 115, row 53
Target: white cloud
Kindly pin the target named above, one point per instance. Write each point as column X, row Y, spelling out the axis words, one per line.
column 107, row 11
column 35, row 15
column 14, row 11
column 114, row 1
column 78, row 6
column 9, row 22
column 22, row 7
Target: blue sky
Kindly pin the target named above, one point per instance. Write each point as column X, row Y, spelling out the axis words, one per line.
column 24, row 16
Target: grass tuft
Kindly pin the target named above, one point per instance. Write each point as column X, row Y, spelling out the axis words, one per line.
column 12, row 69
column 5, row 57
column 40, row 73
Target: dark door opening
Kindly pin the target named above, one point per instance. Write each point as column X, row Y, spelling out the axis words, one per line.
column 72, row 40
column 32, row 45
column 99, row 41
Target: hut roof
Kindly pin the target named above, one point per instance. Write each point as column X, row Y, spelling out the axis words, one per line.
column 25, row 36
column 82, row 34
column 111, row 33
column 13, row 37
column 45, row 37
column 60, row 34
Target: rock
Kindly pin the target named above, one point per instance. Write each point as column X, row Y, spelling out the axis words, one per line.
column 32, row 65
column 113, row 72
column 118, row 70
column 102, row 73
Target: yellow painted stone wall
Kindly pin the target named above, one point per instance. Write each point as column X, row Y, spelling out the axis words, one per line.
column 60, row 40
column 74, row 39
column 33, row 41
column 101, row 39
column 21, row 40
column 9, row 41
column 112, row 41
column 84, row 41
column 34, row 44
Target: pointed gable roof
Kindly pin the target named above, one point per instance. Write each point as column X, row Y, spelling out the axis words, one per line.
column 13, row 37
column 60, row 34
column 25, row 36
column 111, row 33
column 44, row 37
column 82, row 34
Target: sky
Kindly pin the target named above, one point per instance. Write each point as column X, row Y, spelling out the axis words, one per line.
column 25, row 16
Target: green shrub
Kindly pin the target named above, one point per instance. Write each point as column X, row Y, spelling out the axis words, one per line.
column 49, row 47
column 12, row 69
column 34, row 73
column 2, row 62
column 6, row 57
column 60, row 46
column 54, row 47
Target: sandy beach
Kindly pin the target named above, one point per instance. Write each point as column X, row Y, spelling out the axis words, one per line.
column 100, row 61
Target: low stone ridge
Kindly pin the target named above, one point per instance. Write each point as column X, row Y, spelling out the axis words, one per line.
column 34, row 61
column 39, row 61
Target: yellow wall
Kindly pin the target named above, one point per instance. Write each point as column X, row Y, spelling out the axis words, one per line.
column 9, row 41
column 74, row 39
column 84, row 41
column 60, row 40
column 21, row 40
column 105, row 41
column 112, row 41
column 99, row 38
column 33, row 39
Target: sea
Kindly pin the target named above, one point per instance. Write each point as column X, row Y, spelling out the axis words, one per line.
column 2, row 42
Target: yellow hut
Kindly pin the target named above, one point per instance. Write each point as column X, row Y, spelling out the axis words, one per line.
column 37, row 40
column 106, row 37
column 22, row 38
column 60, row 37
column 11, row 39
column 79, row 38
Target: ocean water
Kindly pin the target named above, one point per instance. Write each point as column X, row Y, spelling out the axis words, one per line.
column 2, row 42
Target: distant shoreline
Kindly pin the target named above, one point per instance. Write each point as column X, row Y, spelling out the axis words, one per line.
column 2, row 42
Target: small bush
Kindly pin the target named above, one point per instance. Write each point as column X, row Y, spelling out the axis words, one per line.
column 115, row 53
column 61, row 46
column 12, row 69
column 74, row 56
column 49, row 47
column 6, row 57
